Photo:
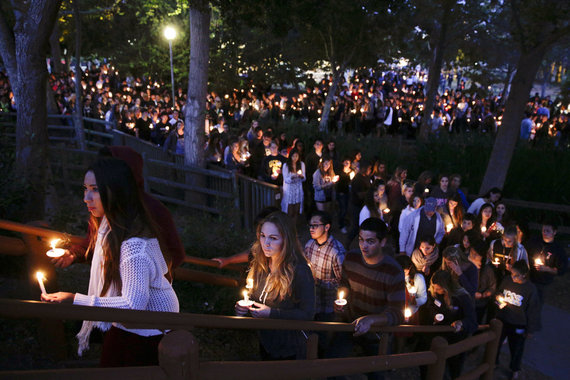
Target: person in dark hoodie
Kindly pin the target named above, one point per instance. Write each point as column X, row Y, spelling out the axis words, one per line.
column 163, row 219
column 519, row 310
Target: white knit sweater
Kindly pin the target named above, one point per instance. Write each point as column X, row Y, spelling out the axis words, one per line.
column 144, row 287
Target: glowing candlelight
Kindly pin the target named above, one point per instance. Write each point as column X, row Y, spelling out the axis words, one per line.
column 245, row 302
column 501, row 302
column 386, row 210
column 426, row 190
column 335, row 178
column 483, row 229
column 412, row 291
column 341, row 301
column 351, row 175
column 538, row 262
column 41, row 278
column 407, row 314
column 300, row 172
column 449, row 227
column 496, row 261
column 439, row 317
column 55, row 252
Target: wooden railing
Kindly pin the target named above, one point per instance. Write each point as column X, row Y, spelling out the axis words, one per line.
column 179, row 350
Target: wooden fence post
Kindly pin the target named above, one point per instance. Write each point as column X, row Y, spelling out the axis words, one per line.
column 492, row 347
column 312, row 346
column 436, row 370
column 178, row 355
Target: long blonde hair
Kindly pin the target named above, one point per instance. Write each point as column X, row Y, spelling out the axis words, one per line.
column 279, row 283
column 451, row 286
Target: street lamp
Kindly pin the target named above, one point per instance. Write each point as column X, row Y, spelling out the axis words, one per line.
column 170, row 34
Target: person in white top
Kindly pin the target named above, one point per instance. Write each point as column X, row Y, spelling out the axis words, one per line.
column 128, row 270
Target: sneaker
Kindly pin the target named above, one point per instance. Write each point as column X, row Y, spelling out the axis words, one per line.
column 344, row 230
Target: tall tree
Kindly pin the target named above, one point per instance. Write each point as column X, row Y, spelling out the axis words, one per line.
column 33, row 24
column 195, row 113
column 537, row 26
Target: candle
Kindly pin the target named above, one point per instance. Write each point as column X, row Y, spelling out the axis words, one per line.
column 341, row 301
column 249, row 284
column 439, row 317
column 426, row 190
column 538, row 262
column 55, row 252
column 407, row 314
column 483, row 229
column 335, row 178
column 386, row 210
column 245, row 302
column 449, row 227
column 41, row 278
column 300, row 172
column 351, row 175
column 412, row 291
column 501, row 301
column 496, row 261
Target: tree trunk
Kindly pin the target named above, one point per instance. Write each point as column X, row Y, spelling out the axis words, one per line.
column 8, row 50
column 78, row 112
column 197, row 83
column 507, row 84
column 508, row 133
column 337, row 75
column 34, row 23
column 435, row 71
column 57, row 67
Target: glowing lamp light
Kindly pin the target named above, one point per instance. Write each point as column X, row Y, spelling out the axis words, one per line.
column 169, row 33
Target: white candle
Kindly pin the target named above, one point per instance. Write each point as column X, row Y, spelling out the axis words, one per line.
column 426, row 190
column 55, row 252
column 386, row 210
column 407, row 314
column 496, row 261
column 41, row 278
column 449, row 227
column 439, row 317
column 300, row 172
column 483, row 229
column 412, row 291
column 245, row 302
column 335, row 178
column 351, row 175
column 341, row 301
column 538, row 262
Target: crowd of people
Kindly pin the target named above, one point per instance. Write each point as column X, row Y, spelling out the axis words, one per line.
column 366, row 102
column 424, row 256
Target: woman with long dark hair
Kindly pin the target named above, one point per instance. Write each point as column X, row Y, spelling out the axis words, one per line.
column 323, row 182
column 128, row 270
column 283, row 285
column 375, row 202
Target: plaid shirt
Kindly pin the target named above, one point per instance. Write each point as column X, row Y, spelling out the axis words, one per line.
column 326, row 263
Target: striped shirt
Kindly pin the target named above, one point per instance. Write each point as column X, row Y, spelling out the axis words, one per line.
column 374, row 289
column 326, row 264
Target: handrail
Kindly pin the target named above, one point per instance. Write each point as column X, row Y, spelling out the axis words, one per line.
column 38, row 231
column 181, row 321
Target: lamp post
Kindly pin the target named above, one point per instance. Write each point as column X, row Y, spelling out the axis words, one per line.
column 170, row 34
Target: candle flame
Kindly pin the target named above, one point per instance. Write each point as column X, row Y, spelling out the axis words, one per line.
column 40, row 276
column 54, row 242
column 341, row 295
column 386, row 210
column 449, row 227
column 407, row 313
column 483, row 229
column 538, row 262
